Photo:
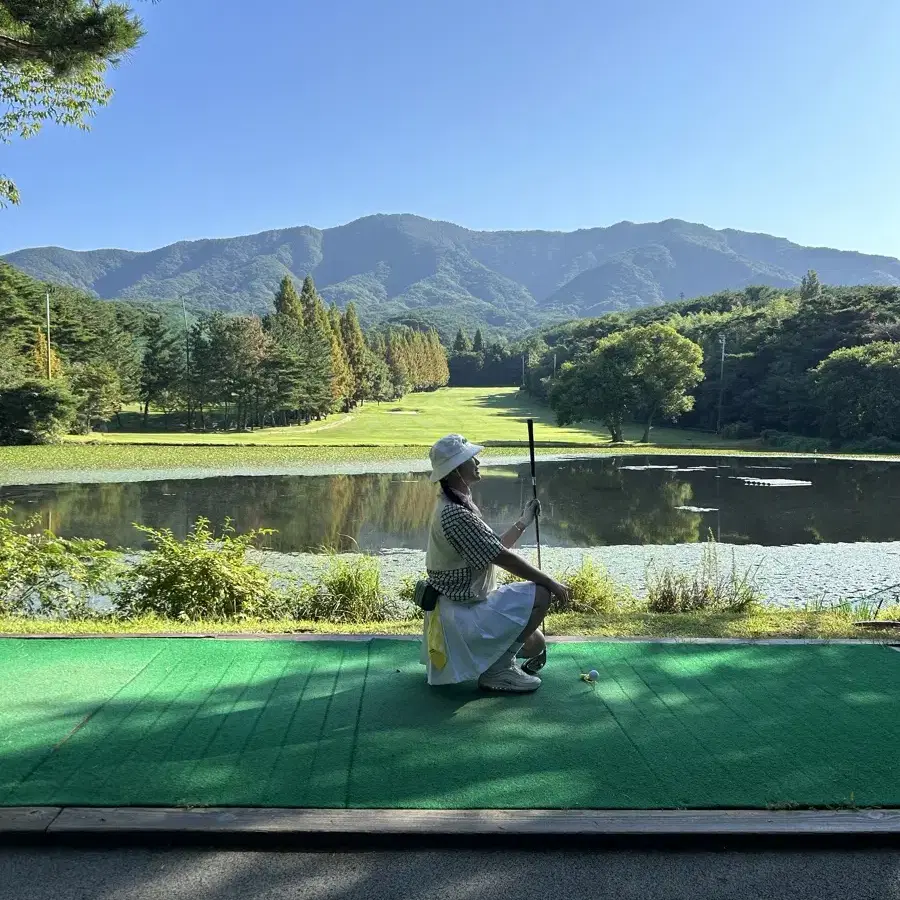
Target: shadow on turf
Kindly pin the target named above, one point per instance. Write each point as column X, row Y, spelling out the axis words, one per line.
column 665, row 728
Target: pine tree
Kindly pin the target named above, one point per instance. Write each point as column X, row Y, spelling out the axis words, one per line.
column 53, row 56
column 287, row 301
column 358, row 355
column 461, row 344
column 478, row 343
column 439, row 371
column 162, row 367
column 326, row 379
column 398, row 363
column 810, row 286
column 283, row 375
column 343, row 387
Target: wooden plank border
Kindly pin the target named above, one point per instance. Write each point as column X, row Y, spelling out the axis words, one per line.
column 222, row 821
column 27, row 819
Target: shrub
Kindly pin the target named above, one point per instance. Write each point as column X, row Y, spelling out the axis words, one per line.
column 709, row 588
column 793, row 442
column 738, row 430
column 36, row 412
column 45, row 575
column 873, row 445
column 205, row 576
column 591, row 590
column 348, row 591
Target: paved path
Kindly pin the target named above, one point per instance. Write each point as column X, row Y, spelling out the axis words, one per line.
column 61, row 874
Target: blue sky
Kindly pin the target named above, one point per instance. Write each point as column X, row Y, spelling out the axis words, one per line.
column 780, row 116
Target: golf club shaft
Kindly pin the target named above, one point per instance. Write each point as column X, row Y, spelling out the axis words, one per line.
column 537, row 523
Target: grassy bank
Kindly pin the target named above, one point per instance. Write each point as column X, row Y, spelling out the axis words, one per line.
column 299, row 460
column 754, row 623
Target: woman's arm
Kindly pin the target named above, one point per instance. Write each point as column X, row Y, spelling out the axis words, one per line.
column 516, row 565
column 509, row 538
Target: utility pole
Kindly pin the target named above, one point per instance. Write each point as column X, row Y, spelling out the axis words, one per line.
column 49, row 352
column 523, row 370
column 187, row 371
column 554, row 365
column 721, row 384
column 187, row 343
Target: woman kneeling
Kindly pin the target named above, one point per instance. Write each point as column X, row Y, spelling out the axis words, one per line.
column 477, row 629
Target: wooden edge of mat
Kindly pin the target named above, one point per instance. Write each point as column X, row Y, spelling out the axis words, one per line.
column 247, row 820
column 27, row 819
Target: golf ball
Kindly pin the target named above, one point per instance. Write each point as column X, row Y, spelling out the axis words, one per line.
column 593, row 674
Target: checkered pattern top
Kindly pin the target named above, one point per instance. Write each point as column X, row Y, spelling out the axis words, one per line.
column 477, row 546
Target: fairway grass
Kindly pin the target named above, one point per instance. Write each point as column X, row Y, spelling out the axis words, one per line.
column 495, row 415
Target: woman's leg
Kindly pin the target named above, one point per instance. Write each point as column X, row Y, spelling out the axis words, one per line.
column 538, row 613
column 534, row 646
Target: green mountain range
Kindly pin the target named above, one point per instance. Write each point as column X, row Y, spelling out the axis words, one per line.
column 407, row 268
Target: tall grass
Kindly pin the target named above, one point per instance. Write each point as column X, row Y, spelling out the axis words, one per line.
column 348, row 593
column 713, row 586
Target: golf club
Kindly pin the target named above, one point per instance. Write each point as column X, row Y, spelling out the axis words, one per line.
column 536, row 663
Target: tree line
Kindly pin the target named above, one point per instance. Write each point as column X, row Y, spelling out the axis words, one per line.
column 819, row 362
column 477, row 363
column 299, row 363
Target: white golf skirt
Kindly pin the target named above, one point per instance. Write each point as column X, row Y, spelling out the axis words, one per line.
column 477, row 634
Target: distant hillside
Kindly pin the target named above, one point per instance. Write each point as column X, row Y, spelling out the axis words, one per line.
column 407, row 267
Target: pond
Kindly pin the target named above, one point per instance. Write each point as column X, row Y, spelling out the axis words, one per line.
column 587, row 502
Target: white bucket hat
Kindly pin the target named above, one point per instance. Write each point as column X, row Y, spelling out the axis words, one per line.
column 449, row 453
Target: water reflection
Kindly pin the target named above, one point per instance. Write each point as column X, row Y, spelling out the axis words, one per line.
column 660, row 500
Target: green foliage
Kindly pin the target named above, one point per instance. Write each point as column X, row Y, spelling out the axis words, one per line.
column 601, row 387
column 641, row 372
column 36, row 412
column 162, row 368
column 592, row 591
column 810, row 287
column 205, row 576
column 53, row 58
column 45, row 575
column 774, row 342
column 99, row 393
column 711, row 587
column 287, row 301
column 858, row 392
column 461, row 342
column 348, row 592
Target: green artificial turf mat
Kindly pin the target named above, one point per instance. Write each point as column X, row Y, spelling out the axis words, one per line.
column 350, row 724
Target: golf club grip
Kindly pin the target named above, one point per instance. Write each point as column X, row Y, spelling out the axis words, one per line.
column 531, row 447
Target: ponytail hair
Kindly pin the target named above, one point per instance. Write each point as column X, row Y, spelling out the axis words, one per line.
column 454, row 496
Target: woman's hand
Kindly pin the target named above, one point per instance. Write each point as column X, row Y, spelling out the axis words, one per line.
column 560, row 591
column 530, row 513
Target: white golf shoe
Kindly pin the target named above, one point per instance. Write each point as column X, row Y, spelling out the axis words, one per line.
column 511, row 679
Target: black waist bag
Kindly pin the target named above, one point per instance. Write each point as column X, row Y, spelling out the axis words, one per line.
column 425, row 596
